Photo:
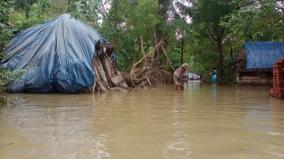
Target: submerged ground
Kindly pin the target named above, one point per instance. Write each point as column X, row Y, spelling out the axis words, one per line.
column 201, row 122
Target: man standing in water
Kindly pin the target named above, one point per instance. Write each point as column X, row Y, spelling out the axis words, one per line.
column 214, row 76
column 180, row 76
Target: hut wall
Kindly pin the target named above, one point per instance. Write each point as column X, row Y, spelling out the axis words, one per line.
column 278, row 80
column 255, row 77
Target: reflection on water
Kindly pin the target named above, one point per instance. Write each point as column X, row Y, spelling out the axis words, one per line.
column 179, row 145
column 214, row 92
column 193, row 86
column 203, row 121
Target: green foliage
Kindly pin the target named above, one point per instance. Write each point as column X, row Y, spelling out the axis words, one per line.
column 129, row 20
column 7, row 76
column 15, row 17
column 4, row 10
column 37, row 13
column 256, row 20
column 24, row 5
column 126, row 23
column 210, row 40
column 5, row 28
column 86, row 10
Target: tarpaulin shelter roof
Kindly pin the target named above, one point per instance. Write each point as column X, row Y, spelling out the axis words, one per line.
column 56, row 56
column 262, row 55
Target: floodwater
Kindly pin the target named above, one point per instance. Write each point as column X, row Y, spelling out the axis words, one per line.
column 201, row 122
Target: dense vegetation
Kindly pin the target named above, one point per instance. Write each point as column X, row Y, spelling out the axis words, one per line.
column 211, row 37
column 203, row 33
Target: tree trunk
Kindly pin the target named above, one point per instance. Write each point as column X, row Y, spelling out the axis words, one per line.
column 181, row 52
column 158, row 37
column 220, row 62
column 107, row 77
column 161, row 12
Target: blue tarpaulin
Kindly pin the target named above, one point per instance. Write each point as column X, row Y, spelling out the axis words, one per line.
column 56, row 56
column 262, row 55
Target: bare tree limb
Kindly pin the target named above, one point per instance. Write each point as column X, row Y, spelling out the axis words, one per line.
column 142, row 45
column 167, row 58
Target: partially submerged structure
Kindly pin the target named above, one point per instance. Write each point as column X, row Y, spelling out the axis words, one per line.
column 255, row 64
column 278, row 80
column 61, row 55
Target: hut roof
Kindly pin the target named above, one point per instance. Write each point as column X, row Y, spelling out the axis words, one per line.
column 262, row 55
column 56, row 56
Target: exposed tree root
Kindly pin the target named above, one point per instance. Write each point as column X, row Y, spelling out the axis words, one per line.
column 146, row 72
column 107, row 76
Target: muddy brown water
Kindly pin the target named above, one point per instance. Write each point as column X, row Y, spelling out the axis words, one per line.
column 201, row 122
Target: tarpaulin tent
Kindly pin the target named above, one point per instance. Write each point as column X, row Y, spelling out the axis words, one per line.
column 56, row 56
column 262, row 55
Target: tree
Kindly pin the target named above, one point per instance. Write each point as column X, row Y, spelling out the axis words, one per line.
column 91, row 11
column 259, row 20
column 5, row 26
column 206, row 18
column 125, row 24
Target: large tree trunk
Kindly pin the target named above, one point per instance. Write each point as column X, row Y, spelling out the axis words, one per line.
column 107, row 77
column 220, row 61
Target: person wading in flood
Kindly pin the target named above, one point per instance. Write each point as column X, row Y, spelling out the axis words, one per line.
column 214, row 77
column 180, row 76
